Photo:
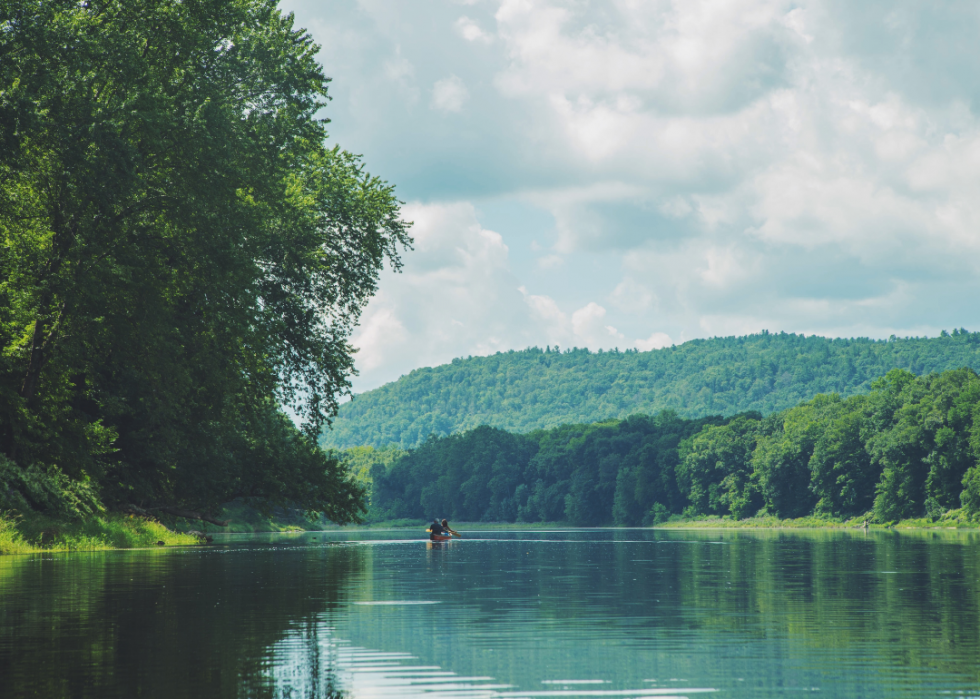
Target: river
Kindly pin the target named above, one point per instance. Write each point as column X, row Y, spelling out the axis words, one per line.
column 565, row 613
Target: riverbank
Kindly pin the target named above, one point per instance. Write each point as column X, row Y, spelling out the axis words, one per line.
column 37, row 533
column 953, row 519
column 117, row 531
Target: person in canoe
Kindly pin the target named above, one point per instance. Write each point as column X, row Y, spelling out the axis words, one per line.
column 437, row 529
column 445, row 525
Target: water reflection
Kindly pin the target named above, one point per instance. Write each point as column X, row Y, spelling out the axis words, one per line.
column 159, row 623
column 508, row 614
column 363, row 672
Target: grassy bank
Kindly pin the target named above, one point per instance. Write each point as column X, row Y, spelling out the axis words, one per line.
column 953, row 519
column 37, row 533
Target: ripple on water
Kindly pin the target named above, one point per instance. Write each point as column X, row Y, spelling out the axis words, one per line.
column 362, row 672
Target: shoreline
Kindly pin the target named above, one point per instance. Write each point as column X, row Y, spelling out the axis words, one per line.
column 124, row 532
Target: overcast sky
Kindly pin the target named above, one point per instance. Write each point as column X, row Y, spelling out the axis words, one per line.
column 638, row 173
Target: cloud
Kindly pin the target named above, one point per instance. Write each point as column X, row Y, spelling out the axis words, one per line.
column 655, row 341
column 455, row 296
column 677, row 56
column 700, row 168
column 588, row 326
column 449, row 94
column 458, row 296
column 379, row 336
column 632, row 297
column 471, row 31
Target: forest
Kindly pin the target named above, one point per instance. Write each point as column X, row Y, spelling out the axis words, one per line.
column 908, row 448
column 183, row 254
column 519, row 391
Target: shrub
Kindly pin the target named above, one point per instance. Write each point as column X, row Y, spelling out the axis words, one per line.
column 45, row 489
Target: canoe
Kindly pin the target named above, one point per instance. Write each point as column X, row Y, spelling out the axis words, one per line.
column 439, row 537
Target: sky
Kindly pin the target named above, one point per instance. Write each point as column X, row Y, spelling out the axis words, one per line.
column 639, row 173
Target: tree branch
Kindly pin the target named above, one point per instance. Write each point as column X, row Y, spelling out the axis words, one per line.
column 175, row 511
column 190, row 514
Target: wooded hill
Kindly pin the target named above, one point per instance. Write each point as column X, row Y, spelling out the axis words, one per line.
column 533, row 389
column 909, row 448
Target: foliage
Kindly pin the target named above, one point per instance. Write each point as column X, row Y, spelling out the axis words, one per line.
column 11, row 540
column 36, row 532
column 576, row 473
column 362, row 461
column 45, row 489
column 716, row 469
column 181, row 253
column 908, row 449
column 971, row 491
column 925, row 453
column 842, row 474
column 469, row 477
column 542, row 389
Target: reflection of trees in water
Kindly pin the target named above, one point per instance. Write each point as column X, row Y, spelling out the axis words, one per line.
column 259, row 623
column 304, row 665
column 165, row 623
column 901, row 600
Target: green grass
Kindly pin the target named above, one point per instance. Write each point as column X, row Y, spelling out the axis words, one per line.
column 11, row 540
column 111, row 531
column 953, row 519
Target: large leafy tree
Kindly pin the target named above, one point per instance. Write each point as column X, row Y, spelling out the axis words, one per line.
column 181, row 254
column 716, row 468
column 925, row 451
column 843, row 477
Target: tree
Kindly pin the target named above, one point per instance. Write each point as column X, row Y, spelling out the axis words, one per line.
column 782, row 458
column 842, row 475
column 182, row 252
column 925, row 451
column 542, row 389
column 716, row 468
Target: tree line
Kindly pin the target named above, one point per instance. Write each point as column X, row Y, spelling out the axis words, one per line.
column 182, row 254
column 537, row 388
column 910, row 447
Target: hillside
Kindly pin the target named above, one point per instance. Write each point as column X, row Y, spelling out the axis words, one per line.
column 530, row 389
column 908, row 449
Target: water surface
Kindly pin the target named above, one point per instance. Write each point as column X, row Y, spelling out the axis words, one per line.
column 582, row 613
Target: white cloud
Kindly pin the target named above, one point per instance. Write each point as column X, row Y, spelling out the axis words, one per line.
column 682, row 55
column 655, row 341
column 589, row 327
column 457, row 296
column 379, row 336
column 471, row 31
column 723, row 267
column 449, row 94
column 632, row 297
column 703, row 168
column 550, row 261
